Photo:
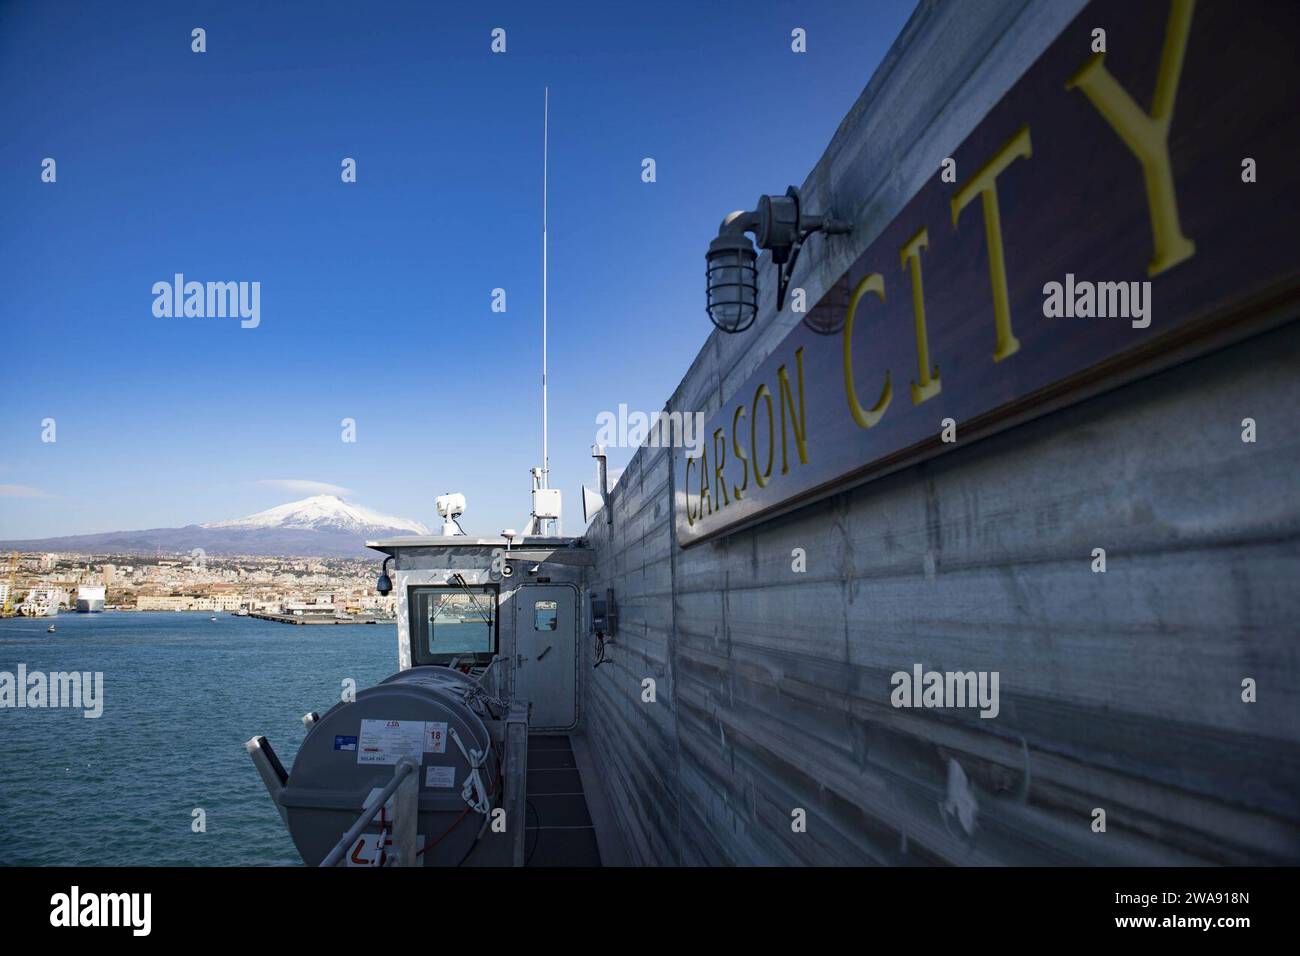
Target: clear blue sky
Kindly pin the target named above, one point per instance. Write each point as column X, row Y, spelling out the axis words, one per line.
column 375, row 301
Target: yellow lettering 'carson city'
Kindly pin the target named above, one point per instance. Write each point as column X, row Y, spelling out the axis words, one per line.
column 763, row 392
column 1145, row 134
column 720, row 460
column 1148, row 136
column 686, row 484
column 739, row 490
column 865, row 417
column 798, row 422
column 928, row 386
column 710, row 490
column 985, row 185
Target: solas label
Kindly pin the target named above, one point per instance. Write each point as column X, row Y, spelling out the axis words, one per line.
column 388, row 741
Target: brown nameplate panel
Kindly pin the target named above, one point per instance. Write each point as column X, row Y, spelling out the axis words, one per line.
column 1113, row 214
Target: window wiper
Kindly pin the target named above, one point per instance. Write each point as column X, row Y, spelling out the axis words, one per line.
column 434, row 612
column 478, row 607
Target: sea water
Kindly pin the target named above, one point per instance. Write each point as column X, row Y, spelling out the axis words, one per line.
column 181, row 694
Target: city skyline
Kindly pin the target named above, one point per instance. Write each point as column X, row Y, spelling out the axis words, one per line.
column 41, row 584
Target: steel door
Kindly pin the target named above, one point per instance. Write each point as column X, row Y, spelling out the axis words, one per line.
column 546, row 653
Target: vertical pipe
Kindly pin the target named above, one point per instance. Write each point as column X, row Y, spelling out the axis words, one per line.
column 604, row 490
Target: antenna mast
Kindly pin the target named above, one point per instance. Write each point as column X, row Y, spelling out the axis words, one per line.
column 545, row 517
column 546, row 130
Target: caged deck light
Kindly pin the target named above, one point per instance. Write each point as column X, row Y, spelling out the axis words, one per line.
column 780, row 225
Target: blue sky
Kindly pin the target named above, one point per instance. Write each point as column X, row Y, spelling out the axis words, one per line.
column 375, row 296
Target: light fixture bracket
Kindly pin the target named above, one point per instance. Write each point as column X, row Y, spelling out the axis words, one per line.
column 780, row 226
column 783, row 229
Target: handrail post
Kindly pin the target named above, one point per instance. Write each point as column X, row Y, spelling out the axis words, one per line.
column 406, row 815
column 270, row 770
column 516, row 780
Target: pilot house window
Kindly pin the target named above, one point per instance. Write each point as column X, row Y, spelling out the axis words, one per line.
column 452, row 622
column 545, row 616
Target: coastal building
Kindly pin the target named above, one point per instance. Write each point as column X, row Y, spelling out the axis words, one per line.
column 219, row 602
column 302, row 609
column 149, row 602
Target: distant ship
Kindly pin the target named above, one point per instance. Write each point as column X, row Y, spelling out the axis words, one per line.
column 90, row 599
column 41, row 602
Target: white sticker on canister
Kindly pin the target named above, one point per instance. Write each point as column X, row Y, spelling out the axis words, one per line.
column 435, row 737
column 443, row 777
column 388, row 741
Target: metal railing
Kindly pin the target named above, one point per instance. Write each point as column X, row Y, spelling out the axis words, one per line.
column 404, row 789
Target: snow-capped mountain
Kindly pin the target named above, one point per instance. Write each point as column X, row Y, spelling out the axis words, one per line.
column 321, row 526
column 323, row 513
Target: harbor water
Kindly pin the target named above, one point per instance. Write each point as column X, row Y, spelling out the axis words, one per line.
column 181, row 694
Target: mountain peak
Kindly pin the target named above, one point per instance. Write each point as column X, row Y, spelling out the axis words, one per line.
column 322, row 525
column 326, row 512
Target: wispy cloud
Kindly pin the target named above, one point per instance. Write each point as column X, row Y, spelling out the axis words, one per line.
column 22, row 491
column 301, row 486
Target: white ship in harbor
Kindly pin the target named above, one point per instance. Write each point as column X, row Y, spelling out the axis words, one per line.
column 40, row 602
column 90, row 599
